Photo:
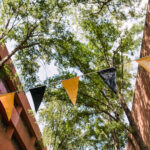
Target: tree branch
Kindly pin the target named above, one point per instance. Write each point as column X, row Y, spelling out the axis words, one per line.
column 116, row 142
column 19, row 47
column 101, row 111
column 102, row 7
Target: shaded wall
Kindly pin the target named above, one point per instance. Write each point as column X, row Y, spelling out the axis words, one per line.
column 21, row 132
column 141, row 102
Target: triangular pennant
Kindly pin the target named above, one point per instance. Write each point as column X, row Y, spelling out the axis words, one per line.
column 71, row 87
column 37, row 95
column 145, row 63
column 7, row 101
column 109, row 77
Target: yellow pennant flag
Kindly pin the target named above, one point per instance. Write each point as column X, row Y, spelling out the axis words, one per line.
column 8, row 103
column 145, row 63
column 71, row 87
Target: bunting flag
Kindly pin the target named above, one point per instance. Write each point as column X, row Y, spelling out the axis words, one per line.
column 71, row 87
column 7, row 101
column 109, row 77
column 145, row 63
column 37, row 95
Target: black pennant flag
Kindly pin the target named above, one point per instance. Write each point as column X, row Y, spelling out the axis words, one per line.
column 37, row 95
column 109, row 77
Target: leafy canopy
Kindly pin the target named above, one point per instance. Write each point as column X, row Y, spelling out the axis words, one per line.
column 46, row 30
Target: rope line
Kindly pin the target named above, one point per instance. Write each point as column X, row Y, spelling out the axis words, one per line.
column 77, row 76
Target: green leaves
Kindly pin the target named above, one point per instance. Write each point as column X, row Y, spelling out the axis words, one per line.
column 99, row 113
column 46, row 31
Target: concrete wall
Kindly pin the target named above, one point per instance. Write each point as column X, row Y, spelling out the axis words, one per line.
column 141, row 102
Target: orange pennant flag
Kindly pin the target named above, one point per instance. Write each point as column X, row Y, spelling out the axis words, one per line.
column 8, row 103
column 71, row 87
column 145, row 63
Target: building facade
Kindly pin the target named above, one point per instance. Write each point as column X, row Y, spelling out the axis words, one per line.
column 22, row 131
column 141, row 102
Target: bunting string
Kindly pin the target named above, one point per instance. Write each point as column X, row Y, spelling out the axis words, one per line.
column 86, row 74
column 71, row 86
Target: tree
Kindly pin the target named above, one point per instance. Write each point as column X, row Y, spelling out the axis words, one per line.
column 31, row 25
column 61, row 128
column 106, row 46
column 42, row 30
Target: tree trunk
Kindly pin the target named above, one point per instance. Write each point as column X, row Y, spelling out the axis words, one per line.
column 132, row 143
column 135, row 131
column 116, row 142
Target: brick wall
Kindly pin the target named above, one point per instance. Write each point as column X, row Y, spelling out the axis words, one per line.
column 21, row 132
column 141, row 102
